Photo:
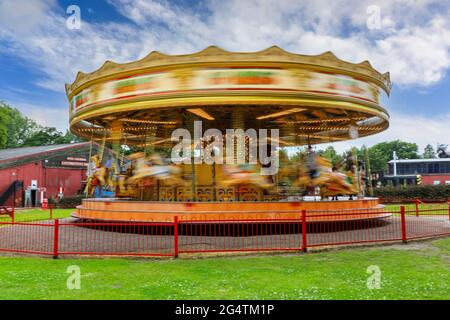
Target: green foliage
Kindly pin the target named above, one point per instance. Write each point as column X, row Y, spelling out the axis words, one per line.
column 14, row 127
column 67, row 201
column 43, row 137
column 131, row 149
column 3, row 128
column 68, row 137
column 409, row 193
column 38, row 214
column 428, row 152
column 381, row 153
column 331, row 154
column 17, row 130
column 49, row 135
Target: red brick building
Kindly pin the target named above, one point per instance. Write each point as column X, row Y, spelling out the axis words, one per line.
column 27, row 174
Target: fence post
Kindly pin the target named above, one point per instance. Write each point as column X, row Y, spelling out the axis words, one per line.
column 449, row 210
column 50, row 206
column 13, row 212
column 304, row 238
column 403, row 223
column 55, row 239
column 417, row 207
column 175, row 235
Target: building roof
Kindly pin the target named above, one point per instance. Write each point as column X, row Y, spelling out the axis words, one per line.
column 421, row 160
column 16, row 153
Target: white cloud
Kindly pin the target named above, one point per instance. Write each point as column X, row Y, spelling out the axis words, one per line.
column 413, row 43
column 24, row 16
column 43, row 115
column 409, row 128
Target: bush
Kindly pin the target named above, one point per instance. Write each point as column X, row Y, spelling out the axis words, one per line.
column 67, row 202
column 404, row 194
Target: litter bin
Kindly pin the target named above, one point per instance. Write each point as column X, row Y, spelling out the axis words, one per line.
column 44, row 204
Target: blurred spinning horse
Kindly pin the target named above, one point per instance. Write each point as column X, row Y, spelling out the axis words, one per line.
column 154, row 167
column 246, row 174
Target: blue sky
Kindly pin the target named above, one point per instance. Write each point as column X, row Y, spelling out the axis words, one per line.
column 39, row 54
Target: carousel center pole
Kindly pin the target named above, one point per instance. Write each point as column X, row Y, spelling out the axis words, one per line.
column 190, row 125
column 357, row 173
column 368, row 171
column 116, row 135
column 238, row 125
column 150, row 137
column 90, row 154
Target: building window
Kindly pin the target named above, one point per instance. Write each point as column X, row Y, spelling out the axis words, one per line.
column 436, row 182
column 447, row 182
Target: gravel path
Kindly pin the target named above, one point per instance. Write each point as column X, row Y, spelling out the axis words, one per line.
column 38, row 237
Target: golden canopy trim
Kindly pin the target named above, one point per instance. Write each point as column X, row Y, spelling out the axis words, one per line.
column 213, row 54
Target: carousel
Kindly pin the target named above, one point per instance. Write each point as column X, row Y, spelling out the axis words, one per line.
column 211, row 135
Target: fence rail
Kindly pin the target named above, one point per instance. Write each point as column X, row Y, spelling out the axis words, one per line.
column 311, row 229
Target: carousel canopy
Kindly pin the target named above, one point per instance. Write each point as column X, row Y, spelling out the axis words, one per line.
column 311, row 99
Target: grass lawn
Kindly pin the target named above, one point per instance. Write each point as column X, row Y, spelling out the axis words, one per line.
column 410, row 208
column 37, row 214
column 420, row 270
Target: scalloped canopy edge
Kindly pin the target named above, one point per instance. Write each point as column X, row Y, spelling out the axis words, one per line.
column 163, row 59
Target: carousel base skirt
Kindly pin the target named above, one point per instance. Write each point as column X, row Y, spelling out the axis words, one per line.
column 111, row 210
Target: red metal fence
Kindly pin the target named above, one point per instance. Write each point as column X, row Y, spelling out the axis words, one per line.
column 311, row 229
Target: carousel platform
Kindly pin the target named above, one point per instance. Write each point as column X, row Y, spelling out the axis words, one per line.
column 156, row 211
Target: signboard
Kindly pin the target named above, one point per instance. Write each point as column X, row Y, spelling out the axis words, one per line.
column 74, row 164
column 76, row 159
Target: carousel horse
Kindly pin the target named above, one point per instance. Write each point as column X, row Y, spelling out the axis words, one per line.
column 315, row 172
column 98, row 178
column 154, row 167
column 342, row 180
column 339, row 183
column 119, row 181
column 245, row 174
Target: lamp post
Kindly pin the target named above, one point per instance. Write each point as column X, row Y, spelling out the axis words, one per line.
column 394, row 162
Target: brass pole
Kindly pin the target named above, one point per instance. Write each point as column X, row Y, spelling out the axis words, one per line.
column 368, row 170
column 90, row 154
column 214, row 183
column 102, row 148
column 357, row 173
column 238, row 142
column 190, row 126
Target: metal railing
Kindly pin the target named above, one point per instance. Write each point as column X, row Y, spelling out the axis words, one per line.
column 310, row 230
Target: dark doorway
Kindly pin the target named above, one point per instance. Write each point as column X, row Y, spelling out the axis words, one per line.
column 33, row 194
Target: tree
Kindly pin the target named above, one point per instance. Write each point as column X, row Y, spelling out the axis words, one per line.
column 3, row 128
column 331, row 154
column 381, row 153
column 43, row 137
column 49, row 135
column 442, row 151
column 18, row 128
column 428, row 152
column 68, row 137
